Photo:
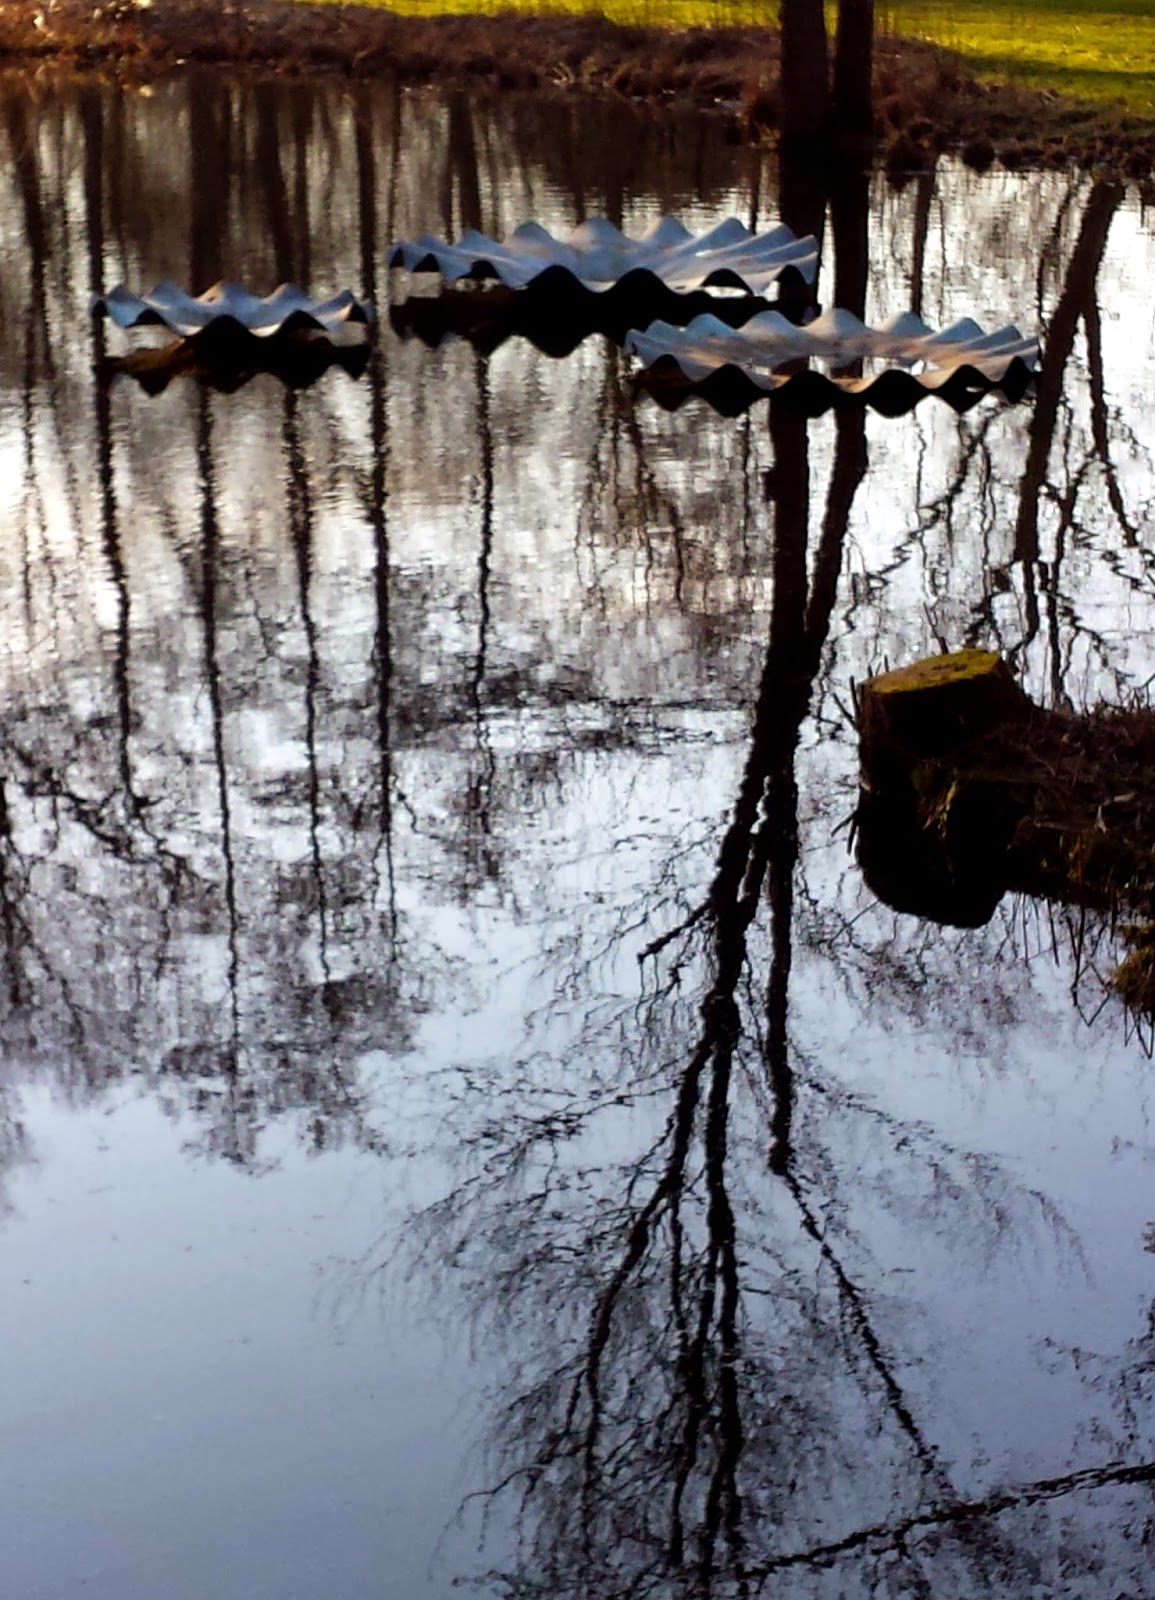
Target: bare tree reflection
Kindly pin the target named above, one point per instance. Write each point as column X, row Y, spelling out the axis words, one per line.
column 210, row 556
column 301, row 533
column 377, row 489
column 1079, row 287
column 482, row 863
column 92, row 118
column 309, row 636
column 705, row 1377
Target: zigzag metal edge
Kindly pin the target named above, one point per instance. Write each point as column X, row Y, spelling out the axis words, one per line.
column 598, row 255
column 732, row 368
column 769, row 342
column 228, row 306
column 893, row 393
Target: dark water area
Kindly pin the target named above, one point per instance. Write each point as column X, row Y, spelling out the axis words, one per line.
column 464, row 1118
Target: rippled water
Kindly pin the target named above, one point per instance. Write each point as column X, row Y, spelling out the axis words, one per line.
column 463, row 1115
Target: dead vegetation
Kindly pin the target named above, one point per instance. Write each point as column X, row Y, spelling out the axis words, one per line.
column 283, row 37
column 1086, row 837
column 971, row 790
column 924, row 101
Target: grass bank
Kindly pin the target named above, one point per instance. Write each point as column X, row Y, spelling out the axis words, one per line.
column 1097, row 50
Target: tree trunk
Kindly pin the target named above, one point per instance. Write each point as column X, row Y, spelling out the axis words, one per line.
column 853, row 68
column 805, row 83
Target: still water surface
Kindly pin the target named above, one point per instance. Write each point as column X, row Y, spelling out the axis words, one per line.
column 463, row 1116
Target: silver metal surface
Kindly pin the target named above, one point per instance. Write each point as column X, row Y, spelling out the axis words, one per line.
column 891, row 367
column 599, row 256
column 769, row 342
column 287, row 310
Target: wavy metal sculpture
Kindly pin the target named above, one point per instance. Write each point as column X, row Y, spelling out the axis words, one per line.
column 770, row 355
column 228, row 308
column 600, row 257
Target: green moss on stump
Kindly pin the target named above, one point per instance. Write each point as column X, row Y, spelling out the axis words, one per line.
column 934, row 671
column 932, row 707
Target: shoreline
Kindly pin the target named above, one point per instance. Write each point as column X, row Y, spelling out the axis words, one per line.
column 925, row 100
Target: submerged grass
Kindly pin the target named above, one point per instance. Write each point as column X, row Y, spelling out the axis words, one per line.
column 1100, row 50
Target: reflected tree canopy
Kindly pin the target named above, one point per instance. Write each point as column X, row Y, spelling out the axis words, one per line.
column 471, row 714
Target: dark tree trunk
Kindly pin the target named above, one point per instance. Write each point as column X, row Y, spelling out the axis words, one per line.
column 805, row 83
column 1078, row 293
column 850, row 234
column 853, row 68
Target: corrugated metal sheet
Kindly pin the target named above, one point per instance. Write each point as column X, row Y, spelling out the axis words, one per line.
column 599, row 256
column 227, row 306
column 891, row 367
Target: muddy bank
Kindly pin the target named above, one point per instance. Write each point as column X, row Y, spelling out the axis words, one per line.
column 924, row 99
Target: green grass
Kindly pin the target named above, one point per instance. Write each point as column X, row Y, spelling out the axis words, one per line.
column 646, row 13
column 1102, row 50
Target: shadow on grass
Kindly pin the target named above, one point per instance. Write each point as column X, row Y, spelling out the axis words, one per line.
column 1133, row 90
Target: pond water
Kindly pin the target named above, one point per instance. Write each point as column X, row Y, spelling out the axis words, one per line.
column 464, row 1119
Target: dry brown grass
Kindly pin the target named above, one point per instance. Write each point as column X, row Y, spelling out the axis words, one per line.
column 924, row 100
column 1070, row 799
column 504, row 52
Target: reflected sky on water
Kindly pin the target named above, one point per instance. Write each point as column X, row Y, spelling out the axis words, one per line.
column 462, row 1113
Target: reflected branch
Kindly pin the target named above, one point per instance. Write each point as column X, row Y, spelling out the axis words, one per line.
column 300, row 506
column 1093, row 327
column 376, row 499
column 92, row 119
column 480, row 788
column 13, row 888
column 210, row 556
column 889, row 1536
column 1082, row 271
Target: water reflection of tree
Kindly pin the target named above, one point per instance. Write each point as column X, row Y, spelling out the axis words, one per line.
column 1078, row 301
column 105, row 779
column 711, row 1327
column 374, row 489
column 1068, row 462
column 632, row 1448
column 708, row 1377
column 649, row 1454
column 1069, row 465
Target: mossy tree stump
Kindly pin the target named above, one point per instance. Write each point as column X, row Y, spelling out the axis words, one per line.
column 969, row 789
column 933, row 826
column 929, row 709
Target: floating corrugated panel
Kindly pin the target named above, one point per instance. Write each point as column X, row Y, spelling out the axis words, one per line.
column 600, row 257
column 227, row 308
column 771, row 355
